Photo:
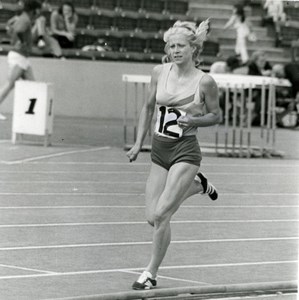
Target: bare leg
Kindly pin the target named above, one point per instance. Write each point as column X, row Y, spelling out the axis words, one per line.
column 53, row 45
column 154, row 188
column 28, row 74
column 14, row 75
column 178, row 181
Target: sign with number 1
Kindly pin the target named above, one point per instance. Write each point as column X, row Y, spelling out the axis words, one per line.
column 32, row 113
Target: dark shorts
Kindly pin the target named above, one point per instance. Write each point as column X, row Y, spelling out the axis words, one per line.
column 167, row 152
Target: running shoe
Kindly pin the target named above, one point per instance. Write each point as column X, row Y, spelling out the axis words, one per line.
column 208, row 188
column 144, row 282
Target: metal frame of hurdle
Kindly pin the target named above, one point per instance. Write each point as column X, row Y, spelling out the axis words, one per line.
column 238, row 132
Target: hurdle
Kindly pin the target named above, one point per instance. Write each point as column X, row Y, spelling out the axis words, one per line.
column 239, row 140
column 136, row 87
column 238, row 131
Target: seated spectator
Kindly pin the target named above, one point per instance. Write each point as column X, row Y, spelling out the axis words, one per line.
column 275, row 14
column 44, row 40
column 258, row 66
column 227, row 66
column 40, row 34
column 63, row 24
column 290, row 71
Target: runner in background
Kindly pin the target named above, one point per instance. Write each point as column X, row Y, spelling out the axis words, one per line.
column 21, row 39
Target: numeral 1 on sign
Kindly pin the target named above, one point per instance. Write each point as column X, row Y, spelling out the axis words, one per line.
column 30, row 110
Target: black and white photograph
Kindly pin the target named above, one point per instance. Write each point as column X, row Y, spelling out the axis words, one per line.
column 149, row 149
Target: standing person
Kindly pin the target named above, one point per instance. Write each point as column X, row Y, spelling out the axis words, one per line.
column 275, row 13
column 63, row 24
column 243, row 32
column 186, row 98
column 21, row 39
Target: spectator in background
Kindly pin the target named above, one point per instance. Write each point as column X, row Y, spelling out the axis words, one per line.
column 243, row 31
column 63, row 24
column 228, row 66
column 225, row 67
column 43, row 39
column 21, row 39
column 290, row 71
column 258, row 66
column 40, row 34
column 275, row 13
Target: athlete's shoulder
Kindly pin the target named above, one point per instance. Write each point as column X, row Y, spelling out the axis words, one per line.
column 208, row 81
column 156, row 72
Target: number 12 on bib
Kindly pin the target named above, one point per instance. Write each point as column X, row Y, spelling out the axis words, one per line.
column 167, row 124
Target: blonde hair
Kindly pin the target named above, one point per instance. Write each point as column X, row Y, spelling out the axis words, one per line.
column 195, row 35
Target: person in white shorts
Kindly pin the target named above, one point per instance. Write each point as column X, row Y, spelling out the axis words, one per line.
column 21, row 39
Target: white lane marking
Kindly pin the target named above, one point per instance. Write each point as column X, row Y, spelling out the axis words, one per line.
column 261, row 164
column 137, row 172
column 142, row 206
column 98, row 182
column 144, row 223
column 131, row 194
column 30, row 159
column 26, row 269
column 142, row 268
column 147, row 243
column 169, row 278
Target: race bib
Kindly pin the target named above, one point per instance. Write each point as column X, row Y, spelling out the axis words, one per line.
column 167, row 124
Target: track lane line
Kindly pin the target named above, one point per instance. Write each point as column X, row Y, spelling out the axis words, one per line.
column 142, row 206
column 148, row 243
column 145, row 223
column 170, row 278
column 26, row 269
column 75, row 193
column 33, row 158
column 58, row 274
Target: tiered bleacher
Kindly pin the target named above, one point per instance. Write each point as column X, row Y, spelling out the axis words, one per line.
column 133, row 29
column 128, row 29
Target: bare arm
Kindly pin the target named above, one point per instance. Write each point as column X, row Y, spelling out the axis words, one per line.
column 230, row 22
column 53, row 24
column 71, row 23
column 146, row 115
column 209, row 91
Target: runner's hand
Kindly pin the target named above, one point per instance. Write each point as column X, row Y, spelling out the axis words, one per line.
column 133, row 153
column 185, row 121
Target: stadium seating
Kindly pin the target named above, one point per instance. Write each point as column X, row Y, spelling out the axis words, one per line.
column 132, row 29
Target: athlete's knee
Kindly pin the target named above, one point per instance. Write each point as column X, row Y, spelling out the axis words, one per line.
column 151, row 222
column 161, row 217
column 150, row 219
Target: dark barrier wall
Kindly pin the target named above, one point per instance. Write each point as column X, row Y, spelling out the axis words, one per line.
column 82, row 88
